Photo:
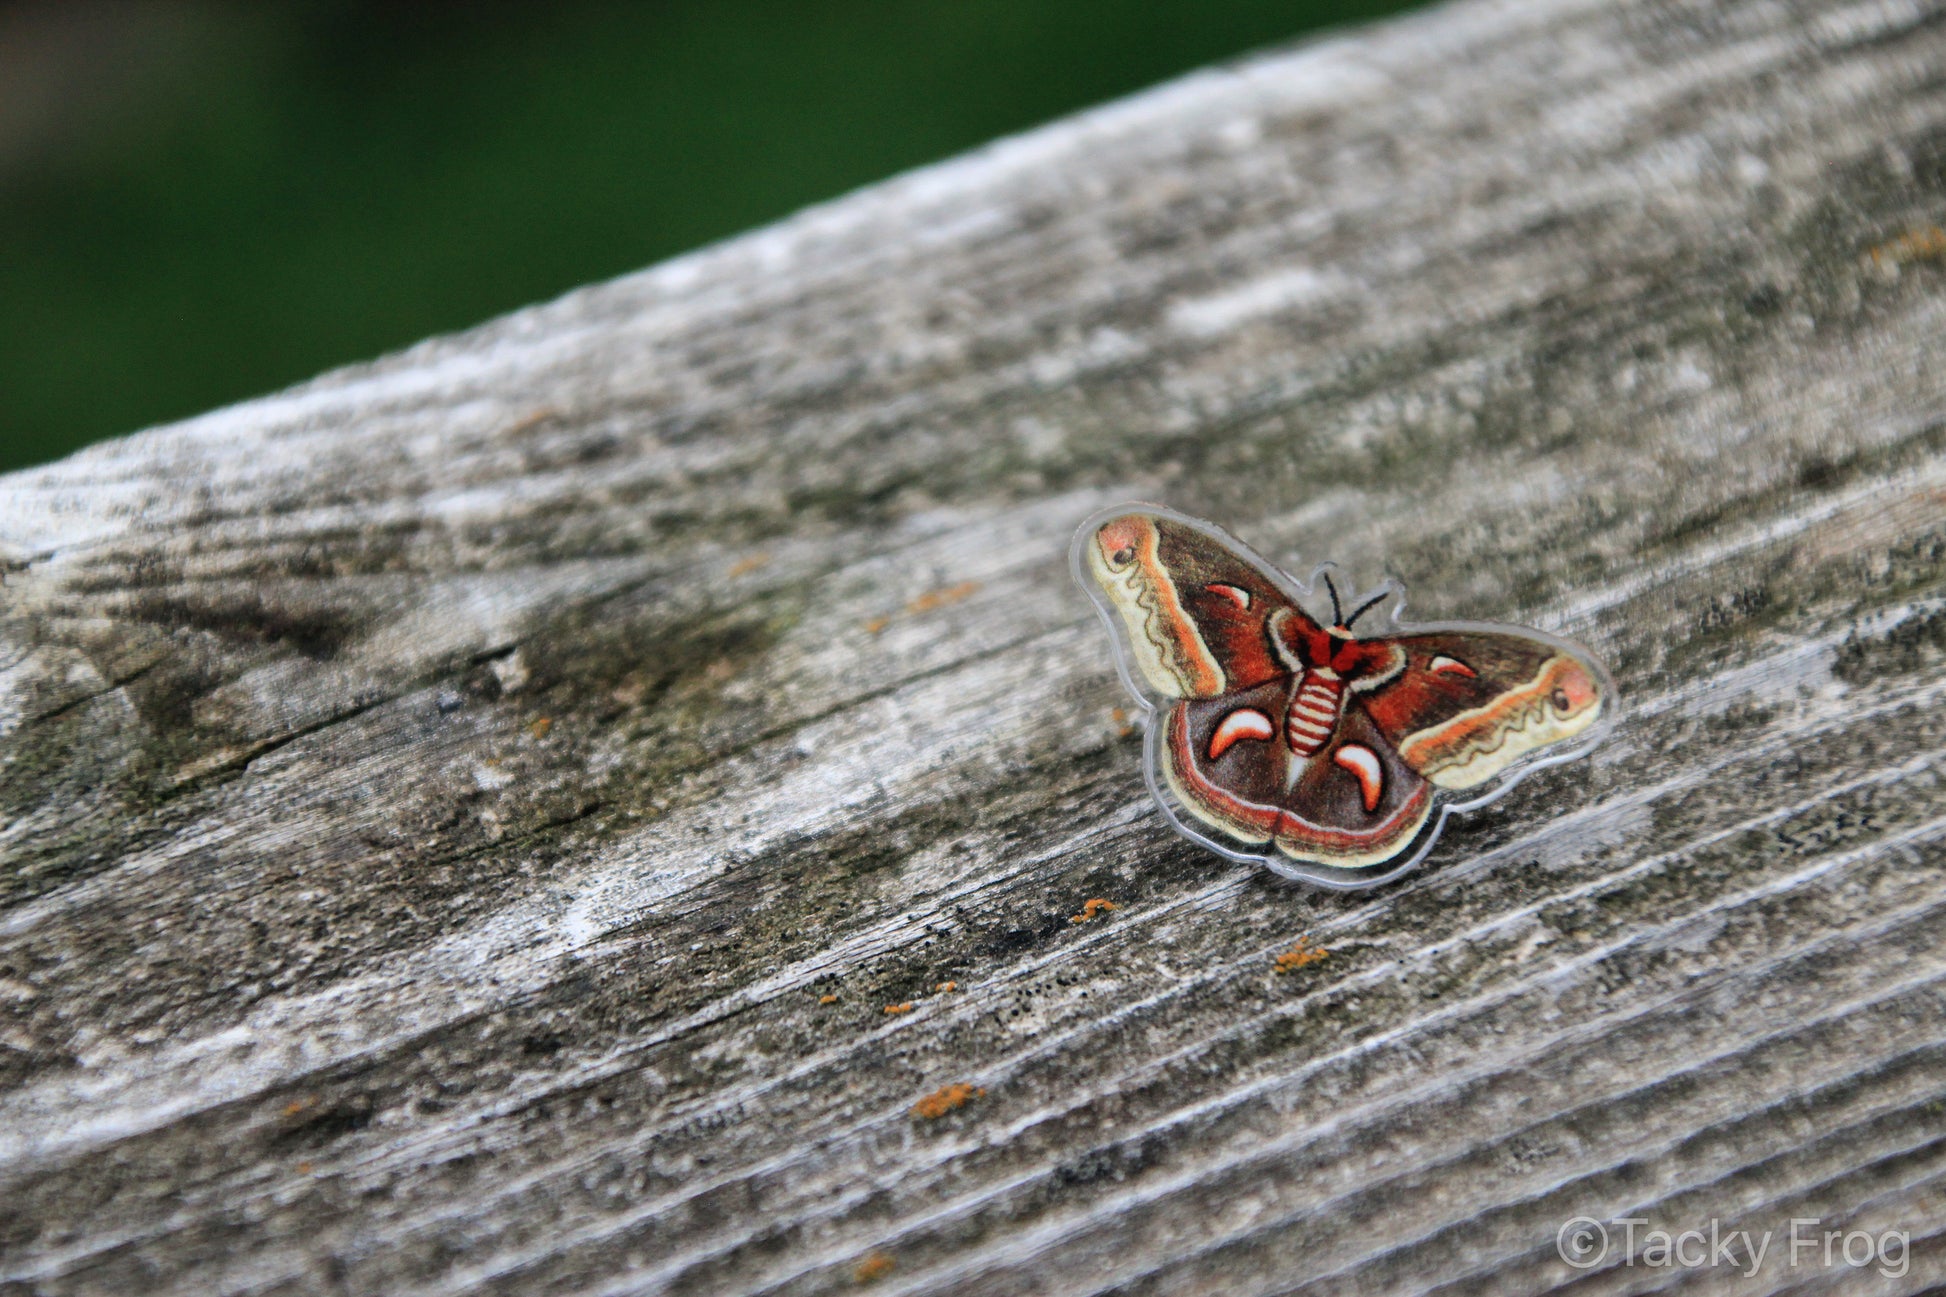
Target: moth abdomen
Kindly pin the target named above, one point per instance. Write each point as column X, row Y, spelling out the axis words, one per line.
column 1313, row 713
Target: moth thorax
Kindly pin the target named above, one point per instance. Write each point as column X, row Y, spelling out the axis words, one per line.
column 1313, row 713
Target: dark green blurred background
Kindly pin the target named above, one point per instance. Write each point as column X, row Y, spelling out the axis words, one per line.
column 203, row 201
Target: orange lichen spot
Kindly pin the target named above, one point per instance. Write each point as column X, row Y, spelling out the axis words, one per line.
column 1091, row 909
column 946, row 597
column 899, row 1008
column 304, row 1168
column 873, row 1268
column 540, row 725
column 946, row 1098
column 1924, row 244
column 748, row 563
column 877, row 624
column 532, row 419
column 944, row 987
column 1302, row 955
column 1120, row 720
column 296, row 1106
column 827, row 999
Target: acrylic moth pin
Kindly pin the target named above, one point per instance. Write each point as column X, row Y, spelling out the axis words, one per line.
column 1327, row 750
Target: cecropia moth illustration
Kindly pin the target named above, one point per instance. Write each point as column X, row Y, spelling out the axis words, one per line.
column 1291, row 734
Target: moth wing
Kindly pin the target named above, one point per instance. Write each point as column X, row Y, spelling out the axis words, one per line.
column 1470, row 703
column 1193, row 606
column 1353, row 803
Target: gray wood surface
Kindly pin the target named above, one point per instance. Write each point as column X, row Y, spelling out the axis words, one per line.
column 440, row 800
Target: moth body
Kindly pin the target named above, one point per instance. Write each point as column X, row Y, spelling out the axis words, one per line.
column 1313, row 714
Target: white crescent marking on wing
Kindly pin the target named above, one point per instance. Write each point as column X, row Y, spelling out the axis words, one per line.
column 1451, row 666
column 1363, row 762
column 1243, row 723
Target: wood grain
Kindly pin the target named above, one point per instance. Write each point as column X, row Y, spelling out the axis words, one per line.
column 442, row 801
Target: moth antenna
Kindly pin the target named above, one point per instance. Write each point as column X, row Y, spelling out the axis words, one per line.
column 1365, row 607
column 1337, row 613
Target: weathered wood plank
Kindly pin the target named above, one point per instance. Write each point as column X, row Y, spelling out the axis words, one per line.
column 439, row 799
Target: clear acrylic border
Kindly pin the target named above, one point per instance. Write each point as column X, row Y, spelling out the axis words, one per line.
column 1390, row 605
